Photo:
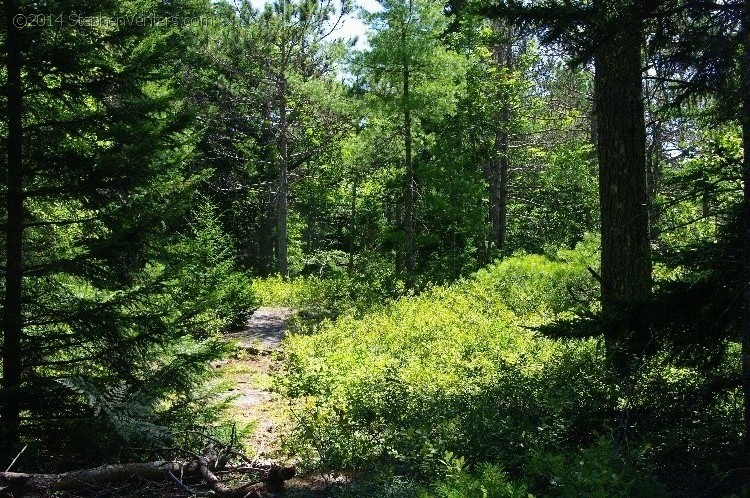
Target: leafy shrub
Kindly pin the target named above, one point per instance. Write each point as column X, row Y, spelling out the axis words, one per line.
column 600, row 470
column 457, row 377
column 490, row 482
column 328, row 296
column 451, row 370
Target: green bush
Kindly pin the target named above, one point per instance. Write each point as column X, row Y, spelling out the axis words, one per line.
column 331, row 295
column 457, row 377
column 452, row 370
column 600, row 470
column 490, row 482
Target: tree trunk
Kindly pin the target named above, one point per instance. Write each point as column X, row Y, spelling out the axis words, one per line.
column 282, row 194
column 746, row 219
column 503, row 200
column 409, row 184
column 654, row 170
column 501, row 161
column 499, row 190
column 13, row 318
column 266, row 236
column 267, row 219
column 23, row 484
column 353, row 221
column 623, row 194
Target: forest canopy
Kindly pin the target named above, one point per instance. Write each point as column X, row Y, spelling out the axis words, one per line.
column 499, row 248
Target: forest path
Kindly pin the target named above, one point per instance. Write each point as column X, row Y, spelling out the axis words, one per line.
column 247, row 376
column 265, row 330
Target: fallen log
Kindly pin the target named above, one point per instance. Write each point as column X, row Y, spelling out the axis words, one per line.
column 24, row 484
column 218, row 487
column 78, row 479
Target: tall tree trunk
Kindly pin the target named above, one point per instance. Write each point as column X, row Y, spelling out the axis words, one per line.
column 503, row 53
column 266, row 236
column 353, row 221
column 654, row 175
column 746, row 219
column 282, row 211
column 499, row 189
column 409, row 185
column 623, row 194
column 504, row 57
column 503, row 200
column 282, row 236
column 13, row 318
column 267, row 219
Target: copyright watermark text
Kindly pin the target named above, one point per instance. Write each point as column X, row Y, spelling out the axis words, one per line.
column 100, row 20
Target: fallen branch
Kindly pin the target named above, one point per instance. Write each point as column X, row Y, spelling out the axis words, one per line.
column 25, row 484
column 14, row 460
column 177, row 482
column 218, row 487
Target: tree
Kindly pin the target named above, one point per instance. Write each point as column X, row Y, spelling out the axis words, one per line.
column 610, row 32
column 296, row 33
column 698, row 46
column 746, row 219
column 488, row 112
column 499, row 166
column 99, row 331
column 12, row 308
column 411, row 70
column 623, row 194
column 268, row 114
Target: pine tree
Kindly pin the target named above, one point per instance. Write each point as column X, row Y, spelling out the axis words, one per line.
column 100, row 151
column 412, row 72
column 267, row 98
column 611, row 32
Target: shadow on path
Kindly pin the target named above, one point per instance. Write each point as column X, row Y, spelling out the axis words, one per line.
column 264, row 330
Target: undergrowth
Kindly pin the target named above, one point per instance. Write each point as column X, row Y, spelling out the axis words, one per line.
column 456, row 391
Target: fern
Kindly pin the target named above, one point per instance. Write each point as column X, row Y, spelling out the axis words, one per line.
column 128, row 411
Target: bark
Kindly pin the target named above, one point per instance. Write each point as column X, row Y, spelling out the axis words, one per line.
column 621, row 136
column 13, row 318
column 746, row 220
column 266, row 240
column 353, row 221
column 501, row 159
column 282, row 247
column 409, row 179
column 23, row 484
column 218, row 487
column 267, row 224
column 503, row 200
column 499, row 191
column 655, row 167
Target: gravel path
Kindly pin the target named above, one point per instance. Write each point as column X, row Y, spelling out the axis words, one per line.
column 264, row 330
column 250, row 374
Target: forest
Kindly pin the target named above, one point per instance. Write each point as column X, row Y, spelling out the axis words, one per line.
column 375, row 248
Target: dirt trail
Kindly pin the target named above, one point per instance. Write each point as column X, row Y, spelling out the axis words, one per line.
column 264, row 330
column 249, row 375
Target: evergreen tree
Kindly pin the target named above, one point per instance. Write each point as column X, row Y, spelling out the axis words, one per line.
column 269, row 102
column 612, row 34
column 413, row 73
column 98, row 330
